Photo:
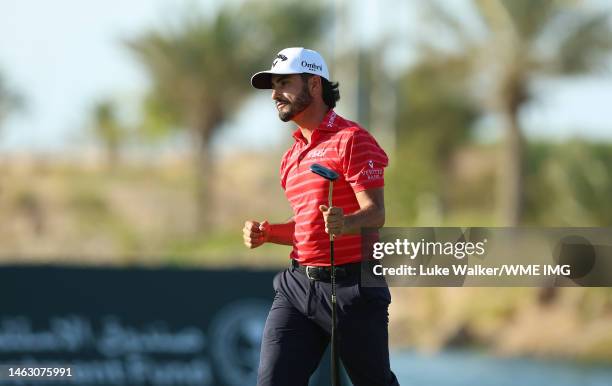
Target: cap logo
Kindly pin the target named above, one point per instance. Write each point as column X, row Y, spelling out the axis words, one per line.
column 312, row 66
column 279, row 56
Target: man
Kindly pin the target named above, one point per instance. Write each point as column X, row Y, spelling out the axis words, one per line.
column 297, row 329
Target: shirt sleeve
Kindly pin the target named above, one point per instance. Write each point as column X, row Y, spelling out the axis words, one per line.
column 363, row 162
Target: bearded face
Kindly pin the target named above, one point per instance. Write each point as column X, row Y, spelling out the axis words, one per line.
column 289, row 107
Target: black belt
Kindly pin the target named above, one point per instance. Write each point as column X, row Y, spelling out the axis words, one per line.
column 324, row 273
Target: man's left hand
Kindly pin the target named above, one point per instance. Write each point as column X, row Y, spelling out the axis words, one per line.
column 334, row 219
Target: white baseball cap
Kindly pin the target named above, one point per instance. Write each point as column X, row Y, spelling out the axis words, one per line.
column 294, row 60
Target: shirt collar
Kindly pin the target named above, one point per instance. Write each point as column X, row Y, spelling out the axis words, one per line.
column 327, row 124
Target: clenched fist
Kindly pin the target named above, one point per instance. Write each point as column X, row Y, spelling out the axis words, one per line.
column 255, row 233
column 334, row 219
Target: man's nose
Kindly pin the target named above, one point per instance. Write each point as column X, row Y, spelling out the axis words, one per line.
column 274, row 94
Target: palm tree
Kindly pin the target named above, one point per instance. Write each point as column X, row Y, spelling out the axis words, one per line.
column 521, row 40
column 9, row 100
column 435, row 121
column 200, row 71
column 108, row 130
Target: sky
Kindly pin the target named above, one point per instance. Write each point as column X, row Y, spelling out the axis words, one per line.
column 62, row 56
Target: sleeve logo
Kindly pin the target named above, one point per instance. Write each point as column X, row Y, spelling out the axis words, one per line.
column 372, row 173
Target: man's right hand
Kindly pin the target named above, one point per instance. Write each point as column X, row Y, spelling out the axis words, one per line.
column 255, row 233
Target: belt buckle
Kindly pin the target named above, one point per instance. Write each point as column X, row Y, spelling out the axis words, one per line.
column 308, row 272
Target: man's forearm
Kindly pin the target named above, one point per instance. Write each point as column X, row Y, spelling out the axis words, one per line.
column 371, row 217
column 282, row 233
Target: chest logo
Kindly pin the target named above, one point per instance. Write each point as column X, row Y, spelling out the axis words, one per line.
column 317, row 153
column 332, row 118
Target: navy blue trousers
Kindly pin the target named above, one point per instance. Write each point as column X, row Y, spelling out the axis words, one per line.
column 298, row 330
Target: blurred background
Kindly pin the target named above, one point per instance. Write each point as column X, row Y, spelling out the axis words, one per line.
column 130, row 136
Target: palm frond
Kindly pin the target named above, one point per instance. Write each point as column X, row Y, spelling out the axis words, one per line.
column 586, row 46
column 530, row 17
column 447, row 23
column 496, row 17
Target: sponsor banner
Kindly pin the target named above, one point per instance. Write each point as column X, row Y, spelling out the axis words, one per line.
column 488, row 257
column 82, row 326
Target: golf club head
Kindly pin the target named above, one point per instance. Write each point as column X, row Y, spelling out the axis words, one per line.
column 324, row 172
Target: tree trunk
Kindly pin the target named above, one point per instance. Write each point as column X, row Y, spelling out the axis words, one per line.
column 203, row 169
column 113, row 155
column 510, row 175
column 446, row 172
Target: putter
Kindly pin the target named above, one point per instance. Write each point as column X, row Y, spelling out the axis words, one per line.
column 331, row 176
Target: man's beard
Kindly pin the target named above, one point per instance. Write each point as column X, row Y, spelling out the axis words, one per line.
column 290, row 110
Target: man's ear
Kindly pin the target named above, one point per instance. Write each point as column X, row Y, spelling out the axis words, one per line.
column 315, row 85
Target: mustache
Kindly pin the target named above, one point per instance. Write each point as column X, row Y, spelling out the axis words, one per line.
column 281, row 100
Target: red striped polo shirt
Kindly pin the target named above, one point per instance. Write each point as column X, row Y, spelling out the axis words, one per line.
column 354, row 154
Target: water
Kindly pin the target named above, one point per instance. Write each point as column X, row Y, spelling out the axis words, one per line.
column 466, row 368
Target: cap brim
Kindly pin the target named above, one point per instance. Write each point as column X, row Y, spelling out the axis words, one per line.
column 263, row 79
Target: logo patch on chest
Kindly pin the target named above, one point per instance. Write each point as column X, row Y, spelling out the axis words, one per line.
column 317, row 153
